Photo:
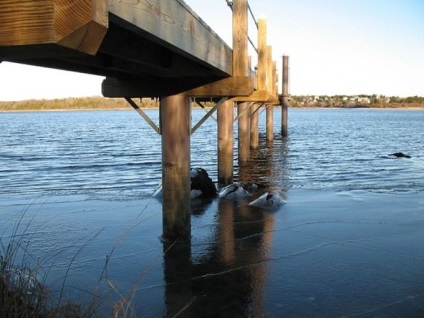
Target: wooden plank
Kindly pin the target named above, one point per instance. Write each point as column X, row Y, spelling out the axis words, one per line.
column 76, row 24
column 175, row 25
column 231, row 86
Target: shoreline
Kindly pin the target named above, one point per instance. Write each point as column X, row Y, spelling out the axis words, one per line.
column 157, row 108
column 103, row 104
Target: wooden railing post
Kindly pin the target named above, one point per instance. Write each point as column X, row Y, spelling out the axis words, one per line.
column 270, row 88
column 241, row 68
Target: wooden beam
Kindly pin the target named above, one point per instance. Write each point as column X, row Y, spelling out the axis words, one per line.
column 150, row 87
column 259, row 96
column 80, row 25
column 231, row 86
column 174, row 25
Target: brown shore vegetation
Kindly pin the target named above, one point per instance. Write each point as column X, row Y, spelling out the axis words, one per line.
column 101, row 103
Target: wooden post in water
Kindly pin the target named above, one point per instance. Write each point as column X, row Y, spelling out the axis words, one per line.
column 225, row 142
column 243, row 133
column 270, row 108
column 254, row 126
column 175, row 120
column 240, row 68
column 285, row 99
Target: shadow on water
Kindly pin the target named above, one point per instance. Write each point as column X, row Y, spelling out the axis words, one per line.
column 228, row 278
column 226, row 275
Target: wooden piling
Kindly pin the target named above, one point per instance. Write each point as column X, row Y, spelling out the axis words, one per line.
column 243, row 133
column 175, row 120
column 254, row 126
column 240, row 68
column 225, row 115
column 285, row 99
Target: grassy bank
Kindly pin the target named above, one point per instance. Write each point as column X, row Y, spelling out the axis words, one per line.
column 85, row 103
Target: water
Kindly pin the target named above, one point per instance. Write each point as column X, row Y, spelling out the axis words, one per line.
column 347, row 244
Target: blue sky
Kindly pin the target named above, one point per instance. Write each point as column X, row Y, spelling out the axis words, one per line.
column 335, row 47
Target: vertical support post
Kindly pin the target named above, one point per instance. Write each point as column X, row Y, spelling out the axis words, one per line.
column 243, row 133
column 270, row 108
column 175, row 117
column 285, row 97
column 240, row 68
column 225, row 142
column 269, row 123
column 254, row 126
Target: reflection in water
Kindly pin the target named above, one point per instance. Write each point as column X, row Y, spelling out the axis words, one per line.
column 227, row 280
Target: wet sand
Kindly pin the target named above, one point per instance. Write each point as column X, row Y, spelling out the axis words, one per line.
column 323, row 254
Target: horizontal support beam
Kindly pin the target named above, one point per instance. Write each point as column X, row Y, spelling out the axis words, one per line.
column 231, row 86
column 259, row 96
column 150, row 87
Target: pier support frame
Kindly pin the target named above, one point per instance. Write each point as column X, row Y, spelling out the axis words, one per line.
column 175, row 122
column 285, row 99
column 225, row 142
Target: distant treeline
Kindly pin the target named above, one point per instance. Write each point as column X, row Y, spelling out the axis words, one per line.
column 369, row 101
column 100, row 103
column 84, row 103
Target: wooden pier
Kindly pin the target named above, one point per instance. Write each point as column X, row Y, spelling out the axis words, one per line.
column 156, row 48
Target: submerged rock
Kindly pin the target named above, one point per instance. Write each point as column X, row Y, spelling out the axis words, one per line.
column 233, row 191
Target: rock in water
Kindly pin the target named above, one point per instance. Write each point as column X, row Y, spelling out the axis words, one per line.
column 233, row 191
column 202, row 185
column 268, row 200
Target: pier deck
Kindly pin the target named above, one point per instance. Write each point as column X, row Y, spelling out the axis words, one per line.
column 161, row 47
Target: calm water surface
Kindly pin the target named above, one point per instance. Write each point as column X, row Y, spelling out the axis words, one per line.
column 345, row 245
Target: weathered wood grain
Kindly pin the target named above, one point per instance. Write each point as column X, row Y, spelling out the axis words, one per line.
column 26, row 22
column 80, row 24
column 77, row 24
